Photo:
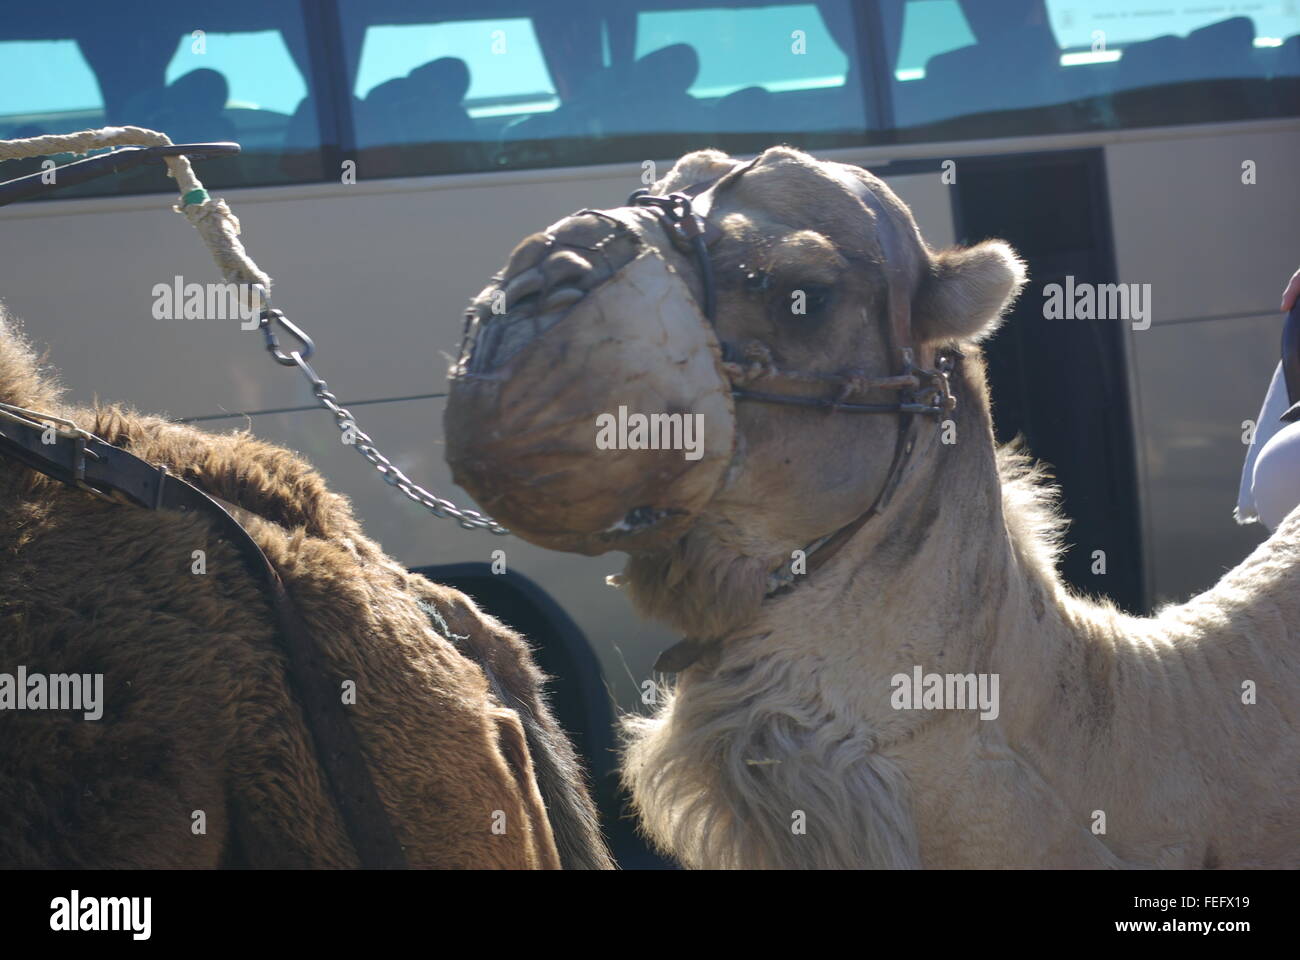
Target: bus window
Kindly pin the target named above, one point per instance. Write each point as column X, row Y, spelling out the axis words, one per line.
column 252, row 85
column 929, row 29
column 985, row 68
column 753, row 50
column 579, row 82
column 46, row 86
column 399, row 52
column 236, row 71
column 426, row 95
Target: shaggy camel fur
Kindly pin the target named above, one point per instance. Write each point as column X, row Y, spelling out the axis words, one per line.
column 197, row 714
column 1118, row 741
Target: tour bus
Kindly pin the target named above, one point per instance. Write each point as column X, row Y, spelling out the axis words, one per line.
column 1142, row 158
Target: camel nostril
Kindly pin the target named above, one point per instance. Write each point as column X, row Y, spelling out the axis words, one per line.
column 523, row 285
column 566, row 269
column 529, row 253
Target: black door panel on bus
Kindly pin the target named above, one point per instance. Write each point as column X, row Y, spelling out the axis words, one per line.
column 1061, row 384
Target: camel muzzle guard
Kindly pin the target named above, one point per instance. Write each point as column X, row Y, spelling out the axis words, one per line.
column 532, row 466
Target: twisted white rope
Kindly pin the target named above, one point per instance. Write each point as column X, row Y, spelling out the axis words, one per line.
column 212, row 218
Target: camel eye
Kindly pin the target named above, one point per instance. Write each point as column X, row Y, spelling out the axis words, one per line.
column 810, row 299
column 756, row 281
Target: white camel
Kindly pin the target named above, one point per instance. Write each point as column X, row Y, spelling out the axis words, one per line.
column 790, row 738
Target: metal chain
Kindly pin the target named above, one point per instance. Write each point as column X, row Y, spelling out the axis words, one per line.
column 441, row 508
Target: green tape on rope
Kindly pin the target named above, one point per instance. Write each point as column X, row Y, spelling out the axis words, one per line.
column 198, row 195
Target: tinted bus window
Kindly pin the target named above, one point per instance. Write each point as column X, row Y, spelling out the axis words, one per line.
column 235, row 71
column 755, row 50
column 431, row 97
column 439, row 88
column 985, row 68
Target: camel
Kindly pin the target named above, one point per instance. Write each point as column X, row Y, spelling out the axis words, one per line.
column 802, row 730
column 197, row 754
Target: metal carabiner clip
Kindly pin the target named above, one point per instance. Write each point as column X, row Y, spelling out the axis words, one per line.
column 271, row 315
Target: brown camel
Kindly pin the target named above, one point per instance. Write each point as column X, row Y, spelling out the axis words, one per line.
column 826, row 563
column 199, row 755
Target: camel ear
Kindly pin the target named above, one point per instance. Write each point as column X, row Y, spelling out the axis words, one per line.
column 695, row 168
column 966, row 291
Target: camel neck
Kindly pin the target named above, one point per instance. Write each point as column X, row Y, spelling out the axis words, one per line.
column 938, row 584
column 940, row 555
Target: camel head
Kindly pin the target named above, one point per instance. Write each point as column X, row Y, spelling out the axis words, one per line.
column 817, row 269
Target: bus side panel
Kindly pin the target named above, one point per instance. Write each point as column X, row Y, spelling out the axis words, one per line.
column 1199, row 383
column 1215, row 251
column 1209, row 244
column 378, row 273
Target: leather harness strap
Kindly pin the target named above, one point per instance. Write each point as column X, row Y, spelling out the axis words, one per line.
column 82, row 460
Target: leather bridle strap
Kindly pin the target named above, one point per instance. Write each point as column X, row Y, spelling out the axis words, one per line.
column 903, row 447
column 82, row 460
column 899, row 333
column 685, row 215
column 688, row 651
